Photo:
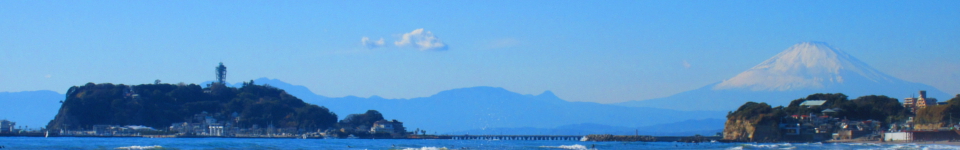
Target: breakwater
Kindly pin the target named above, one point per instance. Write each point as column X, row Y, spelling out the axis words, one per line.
column 621, row 138
column 518, row 137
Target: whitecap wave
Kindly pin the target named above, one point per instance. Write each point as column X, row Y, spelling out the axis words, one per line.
column 574, row 146
column 426, row 148
column 863, row 144
column 937, row 146
column 764, row 146
column 137, row 147
column 904, row 146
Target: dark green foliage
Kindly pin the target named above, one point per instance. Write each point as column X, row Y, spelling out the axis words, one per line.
column 756, row 111
column 366, row 119
column 871, row 107
column 359, row 125
column 833, row 100
column 160, row 105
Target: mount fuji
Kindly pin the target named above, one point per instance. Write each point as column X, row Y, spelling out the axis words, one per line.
column 804, row 69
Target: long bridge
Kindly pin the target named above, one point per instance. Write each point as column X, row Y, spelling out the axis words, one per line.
column 517, row 137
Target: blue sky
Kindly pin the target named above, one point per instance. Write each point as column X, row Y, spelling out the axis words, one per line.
column 610, row 51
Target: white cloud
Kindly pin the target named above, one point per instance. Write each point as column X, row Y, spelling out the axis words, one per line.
column 686, row 64
column 372, row 44
column 425, row 41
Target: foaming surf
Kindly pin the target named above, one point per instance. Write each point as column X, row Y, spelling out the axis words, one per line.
column 764, row 146
column 426, row 148
column 574, row 147
column 941, row 146
column 917, row 146
column 137, row 147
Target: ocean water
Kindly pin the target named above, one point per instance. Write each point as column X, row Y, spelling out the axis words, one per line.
column 405, row 144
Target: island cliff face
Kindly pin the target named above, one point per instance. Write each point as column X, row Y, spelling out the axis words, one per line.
column 758, row 122
column 752, row 122
column 160, row 105
column 751, row 130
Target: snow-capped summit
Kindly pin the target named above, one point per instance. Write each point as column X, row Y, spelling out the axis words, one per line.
column 803, row 69
column 808, row 65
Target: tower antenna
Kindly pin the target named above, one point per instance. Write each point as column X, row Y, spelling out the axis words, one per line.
column 221, row 74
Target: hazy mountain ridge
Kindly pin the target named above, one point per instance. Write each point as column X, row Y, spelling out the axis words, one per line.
column 33, row 109
column 806, row 68
column 493, row 107
column 490, row 107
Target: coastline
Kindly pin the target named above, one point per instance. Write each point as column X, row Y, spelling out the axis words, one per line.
column 592, row 138
column 942, row 142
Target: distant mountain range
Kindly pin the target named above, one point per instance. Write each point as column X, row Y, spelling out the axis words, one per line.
column 478, row 108
column 801, row 70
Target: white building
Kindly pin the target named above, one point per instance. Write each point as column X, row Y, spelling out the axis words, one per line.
column 898, row 136
column 216, row 130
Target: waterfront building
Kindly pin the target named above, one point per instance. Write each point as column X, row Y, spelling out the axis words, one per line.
column 807, row 127
column 101, row 129
column 915, row 103
column 908, row 103
column 6, row 126
column 382, row 126
column 394, row 128
column 215, row 130
column 206, row 124
column 110, row 130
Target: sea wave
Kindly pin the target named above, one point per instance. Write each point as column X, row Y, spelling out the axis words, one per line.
column 941, row 147
column 735, row 148
column 863, row 144
column 138, row 147
column 904, row 146
column 765, row 146
column 426, row 148
column 574, row 146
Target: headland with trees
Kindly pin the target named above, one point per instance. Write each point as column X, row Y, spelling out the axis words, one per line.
column 834, row 117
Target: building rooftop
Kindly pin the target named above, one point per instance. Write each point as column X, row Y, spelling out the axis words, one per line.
column 813, row 102
column 828, row 111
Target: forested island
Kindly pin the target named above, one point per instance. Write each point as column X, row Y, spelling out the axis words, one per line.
column 216, row 110
column 823, row 117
